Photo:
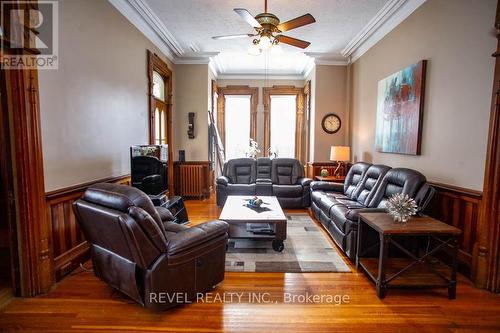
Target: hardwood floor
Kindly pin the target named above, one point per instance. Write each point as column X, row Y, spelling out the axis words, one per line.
column 81, row 303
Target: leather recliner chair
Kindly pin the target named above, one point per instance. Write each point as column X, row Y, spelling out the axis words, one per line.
column 136, row 249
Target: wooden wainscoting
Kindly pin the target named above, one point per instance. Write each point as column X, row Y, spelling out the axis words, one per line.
column 458, row 207
column 192, row 179
column 314, row 168
column 69, row 247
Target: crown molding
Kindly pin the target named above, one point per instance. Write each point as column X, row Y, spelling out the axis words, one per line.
column 144, row 19
column 390, row 16
column 259, row 76
column 195, row 58
column 330, row 59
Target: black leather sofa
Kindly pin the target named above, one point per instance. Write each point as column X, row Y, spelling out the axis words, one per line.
column 366, row 188
column 280, row 177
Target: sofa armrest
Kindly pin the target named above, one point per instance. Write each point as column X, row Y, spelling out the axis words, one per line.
column 304, row 181
column 222, row 180
column 165, row 214
column 196, row 235
column 353, row 214
column 327, row 186
column 264, row 181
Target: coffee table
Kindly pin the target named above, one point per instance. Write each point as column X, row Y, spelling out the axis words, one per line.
column 238, row 216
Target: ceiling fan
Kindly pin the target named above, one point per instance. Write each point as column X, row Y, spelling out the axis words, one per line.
column 268, row 29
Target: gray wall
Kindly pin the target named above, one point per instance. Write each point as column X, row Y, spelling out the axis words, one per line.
column 95, row 105
column 456, row 38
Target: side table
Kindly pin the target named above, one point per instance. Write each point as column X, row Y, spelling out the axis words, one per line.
column 388, row 272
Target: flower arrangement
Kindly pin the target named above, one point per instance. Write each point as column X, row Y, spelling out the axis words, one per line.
column 401, row 207
column 253, row 150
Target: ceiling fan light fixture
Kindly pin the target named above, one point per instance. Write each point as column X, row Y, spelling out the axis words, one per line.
column 265, row 42
column 254, row 50
column 276, row 49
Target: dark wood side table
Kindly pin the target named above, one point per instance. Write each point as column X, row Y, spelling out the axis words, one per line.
column 389, row 272
column 334, row 179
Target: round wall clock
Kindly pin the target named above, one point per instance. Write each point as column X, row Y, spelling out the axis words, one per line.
column 331, row 123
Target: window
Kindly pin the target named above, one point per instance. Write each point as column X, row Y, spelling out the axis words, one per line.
column 283, row 121
column 158, row 86
column 160, row 115
column 237, row 125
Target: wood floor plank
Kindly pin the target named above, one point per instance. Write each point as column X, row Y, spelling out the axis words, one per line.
column 82, row 303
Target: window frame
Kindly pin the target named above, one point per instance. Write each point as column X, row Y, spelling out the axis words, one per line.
column 156, row 64
column 253, row 92
column 299, row 121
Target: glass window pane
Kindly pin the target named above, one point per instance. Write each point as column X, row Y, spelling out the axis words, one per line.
column 283, row 118
column 157, row 126
column 163, row 121
column 237, row 126
column 158, row 86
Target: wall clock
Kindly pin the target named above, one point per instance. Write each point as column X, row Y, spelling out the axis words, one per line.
column 331, row 123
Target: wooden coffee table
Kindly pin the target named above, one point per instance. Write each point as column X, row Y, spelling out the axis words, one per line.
column 238, row 216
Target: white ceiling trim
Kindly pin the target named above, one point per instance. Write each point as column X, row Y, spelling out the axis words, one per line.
column 194, row 58
column 259, row 76
column 332, row 59
column 388, row 18
column 136, row 18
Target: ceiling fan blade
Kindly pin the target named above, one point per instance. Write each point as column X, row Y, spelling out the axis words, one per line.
column 293, row 41
column 296, row 22
column 232, row 36
column 244, row 14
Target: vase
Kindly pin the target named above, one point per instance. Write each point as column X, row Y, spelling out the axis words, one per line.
column 324, row 173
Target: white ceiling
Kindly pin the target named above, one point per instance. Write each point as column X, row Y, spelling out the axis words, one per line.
column 185, row 27
column 196, row 21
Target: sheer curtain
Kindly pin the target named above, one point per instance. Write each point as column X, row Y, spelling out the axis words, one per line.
column 237, row 125
column 283, row 119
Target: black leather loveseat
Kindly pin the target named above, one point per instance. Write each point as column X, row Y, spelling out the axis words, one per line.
column 280, row 177
column 366, row 188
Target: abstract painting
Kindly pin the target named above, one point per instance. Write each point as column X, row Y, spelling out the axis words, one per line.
column 400, row 101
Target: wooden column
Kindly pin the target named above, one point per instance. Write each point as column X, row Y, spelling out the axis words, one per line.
column 299, row 127
column 486, row 260
column 21, row 100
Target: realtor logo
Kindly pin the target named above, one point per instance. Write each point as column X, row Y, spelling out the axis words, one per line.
column 29, row 35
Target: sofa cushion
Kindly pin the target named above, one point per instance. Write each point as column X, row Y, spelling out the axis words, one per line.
column 397, row 180
column 240, row 170
column 354, row 177
column 241, row 189
column 368, row 185
column 337, row 215
column 264, row 168
column 288, row 191
column 286, row 171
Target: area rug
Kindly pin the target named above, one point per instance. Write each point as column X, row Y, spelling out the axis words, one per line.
column 306, row 250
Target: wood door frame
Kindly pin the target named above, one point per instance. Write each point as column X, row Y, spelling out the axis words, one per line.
column 307, row 115
column 253, row 92
column 486, row 259
column 22, row 105
column 299, row 122
column 156, row 64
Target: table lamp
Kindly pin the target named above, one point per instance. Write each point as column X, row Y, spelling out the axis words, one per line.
column 340, row 154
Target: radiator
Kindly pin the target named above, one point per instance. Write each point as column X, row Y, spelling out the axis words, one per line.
column 192, row 180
